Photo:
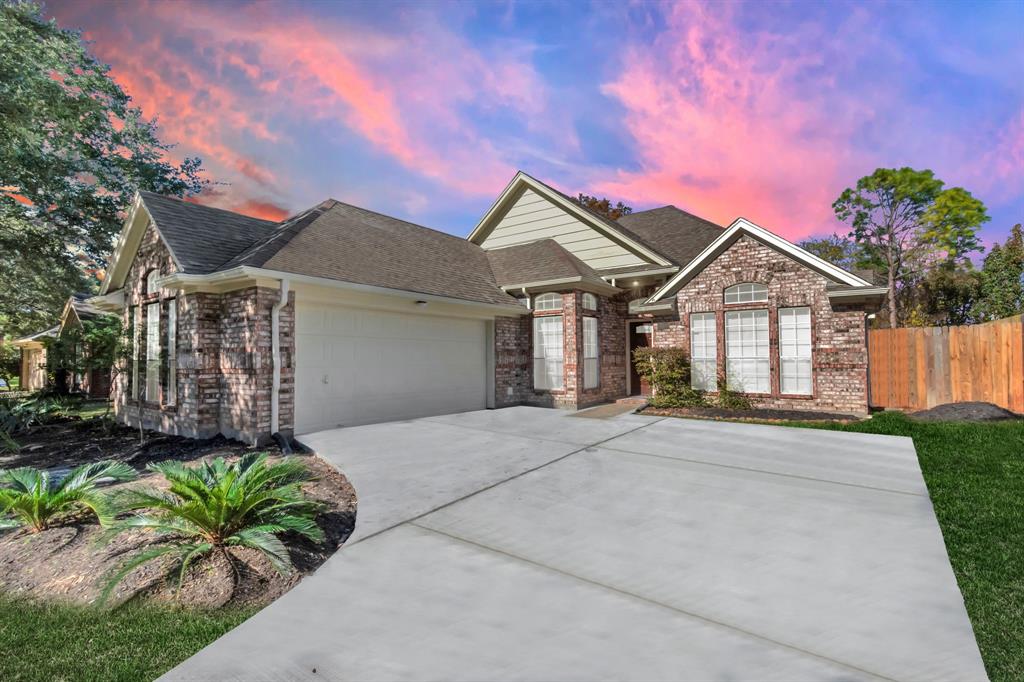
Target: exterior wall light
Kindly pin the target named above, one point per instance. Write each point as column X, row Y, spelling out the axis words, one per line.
column 421, row 304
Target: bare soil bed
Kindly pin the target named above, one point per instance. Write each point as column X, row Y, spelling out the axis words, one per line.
column 757, row 414
column 67, row 562
column 965, row 412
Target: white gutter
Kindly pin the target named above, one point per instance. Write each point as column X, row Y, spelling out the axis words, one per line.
column 275, row 341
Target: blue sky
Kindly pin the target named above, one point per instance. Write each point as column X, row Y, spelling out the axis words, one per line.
column 425, row 110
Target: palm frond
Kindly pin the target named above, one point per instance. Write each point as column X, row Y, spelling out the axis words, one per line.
column 180, row 549
column 268, row 543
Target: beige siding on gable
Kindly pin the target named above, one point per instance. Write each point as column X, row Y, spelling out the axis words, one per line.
column 533, row 217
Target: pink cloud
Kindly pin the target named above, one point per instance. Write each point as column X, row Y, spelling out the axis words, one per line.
column 728, row 126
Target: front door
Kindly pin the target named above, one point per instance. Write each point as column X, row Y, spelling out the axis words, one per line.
column 641, row 334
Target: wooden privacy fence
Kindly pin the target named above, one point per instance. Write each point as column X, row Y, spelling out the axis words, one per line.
column 920, row 367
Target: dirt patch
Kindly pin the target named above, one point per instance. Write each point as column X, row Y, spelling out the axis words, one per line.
column 965, row 412
column 759, row 415
column 69, row 563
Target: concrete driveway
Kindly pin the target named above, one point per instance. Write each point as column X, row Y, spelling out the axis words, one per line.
column 528, row 544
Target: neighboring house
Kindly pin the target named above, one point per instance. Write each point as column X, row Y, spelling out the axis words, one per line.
column 34, row 371
column 341, row 316
column 32, row 375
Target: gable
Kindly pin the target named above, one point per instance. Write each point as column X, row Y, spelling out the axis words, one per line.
column 744, row 228
column 528, row 211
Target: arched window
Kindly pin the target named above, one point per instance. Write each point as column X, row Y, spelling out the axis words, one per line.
column 550, row 301
column 589, row 302
column 151, row 278
column 748, row 292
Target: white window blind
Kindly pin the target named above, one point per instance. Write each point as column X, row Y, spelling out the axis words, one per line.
column 548, row 302
column 746, row 351
column 795, row 350
column 703, row 352
column 747, row 292
column 547, row 353
column 153, row 352
column 590, row 367
column 172, row 353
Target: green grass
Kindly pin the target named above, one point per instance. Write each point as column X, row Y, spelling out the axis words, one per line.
column 975, row 476
column 57, row 642
column 90, row 409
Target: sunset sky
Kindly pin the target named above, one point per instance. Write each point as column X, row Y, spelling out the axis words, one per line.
column 425, row 110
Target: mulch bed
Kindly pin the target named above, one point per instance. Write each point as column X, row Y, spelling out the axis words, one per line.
column 758, row 414
column 68, row 563
column 965, row 412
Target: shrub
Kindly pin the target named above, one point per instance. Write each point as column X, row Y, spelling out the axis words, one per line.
column 668, row 372
column 217, row 506
column 731, row 400
column 34, row 498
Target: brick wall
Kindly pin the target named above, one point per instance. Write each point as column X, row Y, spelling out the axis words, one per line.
column 839, row 350
column 224, row 357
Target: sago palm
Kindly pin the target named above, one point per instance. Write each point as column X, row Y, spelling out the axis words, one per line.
column 216, row 506
column 34, row 498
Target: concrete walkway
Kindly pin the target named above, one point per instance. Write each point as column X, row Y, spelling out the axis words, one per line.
column 523, row 544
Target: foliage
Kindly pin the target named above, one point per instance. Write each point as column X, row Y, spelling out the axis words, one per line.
column 73, row 151
column 1002, row 279
column 10, row 361
column 217, row 506
column 34, row 498
column 56, row 641
column 603, row 206
column 911, row 222
column 731, row 400
column 668, row 372
column 946, row 295
column 976, row 484
column 838, row 250
column 99, row 343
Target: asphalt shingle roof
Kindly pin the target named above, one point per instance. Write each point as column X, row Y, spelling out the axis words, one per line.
column 203, row 238
column 672, row 232
column 538, row 261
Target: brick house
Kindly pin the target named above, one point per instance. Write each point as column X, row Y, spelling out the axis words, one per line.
column 341, row 316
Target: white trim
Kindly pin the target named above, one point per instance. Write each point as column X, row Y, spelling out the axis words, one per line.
column 521, row 179
column 244, row 275
column 640, row 273
column 860, row 291
column 584, row 285
column 743, row 226
column 275, row 352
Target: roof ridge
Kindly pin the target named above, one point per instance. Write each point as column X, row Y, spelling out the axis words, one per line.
column 182, row 200
column 291, row 226
column 675, row 208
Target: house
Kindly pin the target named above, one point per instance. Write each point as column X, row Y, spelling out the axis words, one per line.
column 34, row 371
column 340, row 316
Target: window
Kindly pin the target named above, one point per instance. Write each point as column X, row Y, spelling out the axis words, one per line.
column 547, row 352
column 703, row 352
column 151, row 278
column 133, row 389
column 746, row 293
column 524, row 301
column 172, row 353
column 550, row 301
column 153, row 352
column 746, row 351
column 589, row 302
column 795, row 350
column 591, row 376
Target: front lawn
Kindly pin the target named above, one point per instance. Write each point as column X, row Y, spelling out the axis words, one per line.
column 57, row 642
column 975, row 476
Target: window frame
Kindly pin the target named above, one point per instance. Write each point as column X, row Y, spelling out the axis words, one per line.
column 587, row 299
column 789, row 350
column 151, row 289
column 703, row 359
column 136, row 314
column 153, row 364
column 761, row 353
column 744, row 293
column 591, row 374
column 171, row 390
column 552, row 322
column 547, row 296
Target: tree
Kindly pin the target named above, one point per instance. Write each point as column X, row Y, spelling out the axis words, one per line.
column 73, row 151
column 946, row 295
column 906, row 218
column 603, row 207
column 10, row 361
column 1002, row 278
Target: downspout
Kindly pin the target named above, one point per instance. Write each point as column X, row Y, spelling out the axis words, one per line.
column 275, row 391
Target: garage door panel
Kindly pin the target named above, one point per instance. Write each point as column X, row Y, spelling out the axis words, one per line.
column 382, row 366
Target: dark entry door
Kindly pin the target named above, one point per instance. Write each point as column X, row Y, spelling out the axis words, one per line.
column 640, row 336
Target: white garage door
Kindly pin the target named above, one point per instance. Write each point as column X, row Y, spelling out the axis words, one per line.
column 356, row 366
